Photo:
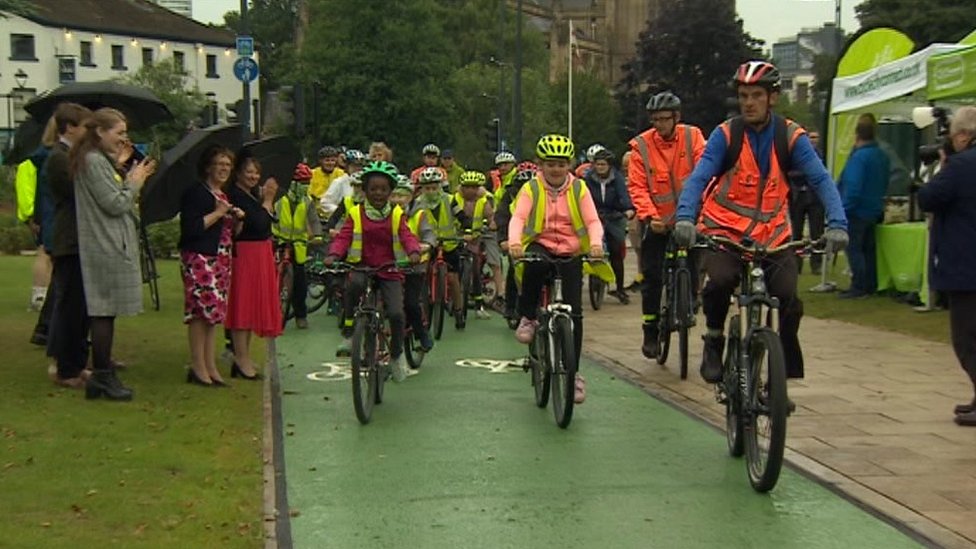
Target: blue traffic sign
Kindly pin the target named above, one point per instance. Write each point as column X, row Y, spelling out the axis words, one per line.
column 245, row 46
column 246, row 69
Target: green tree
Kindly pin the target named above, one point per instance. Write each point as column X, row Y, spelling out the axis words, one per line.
column 925, row 22
column 693, row 51
column 170, row 86
column 596, row 114
column 15, row 7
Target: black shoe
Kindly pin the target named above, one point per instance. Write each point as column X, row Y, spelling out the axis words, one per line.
column 635, row 286
column 711, row 366
column 39, row 339
column 853, row 294
column 965, row 408
column 191, row 377
column 235, row 371
column 621, row 296
column 104, row 383
column 459, row 320
column 966, row 420
column 651, row 347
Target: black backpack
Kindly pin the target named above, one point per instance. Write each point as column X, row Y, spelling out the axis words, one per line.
column 737, row 130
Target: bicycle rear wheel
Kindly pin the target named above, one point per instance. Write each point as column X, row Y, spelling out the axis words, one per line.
column 733, row 399
column 439, row 302
column 285, row 281
column 766, row 410
column 318, row 293
column 415, row 356
column 467, row 272
column 562, row 361
column 684, row 315
column 364, row 376
column 597, row 289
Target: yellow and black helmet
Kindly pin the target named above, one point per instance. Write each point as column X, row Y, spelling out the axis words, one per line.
column 555, row 146
column 473, row 179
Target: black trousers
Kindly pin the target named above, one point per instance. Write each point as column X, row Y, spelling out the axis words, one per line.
column 392, row 293
column 299, row 291
column 536, row 275
column 805, row 207
column 724, row 270
column 68, row 332
column 962, row 327
column 43, row 325
column 615, row 249
column 511, row 288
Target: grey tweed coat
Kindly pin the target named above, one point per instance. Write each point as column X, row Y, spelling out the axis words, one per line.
column 108, row 240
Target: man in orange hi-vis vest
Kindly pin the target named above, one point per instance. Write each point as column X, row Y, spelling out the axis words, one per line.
column 661, row 159
column 746, row 160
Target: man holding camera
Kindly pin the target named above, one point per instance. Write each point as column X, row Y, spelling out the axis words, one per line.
column 951, row 199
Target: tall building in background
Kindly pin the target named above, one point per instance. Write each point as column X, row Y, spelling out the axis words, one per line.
column 794, row 57
column 182, row 7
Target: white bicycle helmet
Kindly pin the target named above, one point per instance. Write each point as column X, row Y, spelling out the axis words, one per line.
column 591, row 152
column 504, row 156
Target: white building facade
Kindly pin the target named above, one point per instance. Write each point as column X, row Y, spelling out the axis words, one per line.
column 41, row 55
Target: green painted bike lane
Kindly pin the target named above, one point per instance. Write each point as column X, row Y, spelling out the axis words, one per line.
column 459, row 456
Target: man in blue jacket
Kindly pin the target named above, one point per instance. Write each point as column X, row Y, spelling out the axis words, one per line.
column 864, row 183
column 951, row 197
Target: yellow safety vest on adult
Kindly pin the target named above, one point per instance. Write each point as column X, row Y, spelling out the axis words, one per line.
column 478, row 214
column 292, row 224
column 355, row 253
column 321, row 181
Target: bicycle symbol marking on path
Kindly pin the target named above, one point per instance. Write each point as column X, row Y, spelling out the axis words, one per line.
column 334, row 371
column 492, row 365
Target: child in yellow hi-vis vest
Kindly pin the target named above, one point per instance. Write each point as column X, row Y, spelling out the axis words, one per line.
column 554, row 216
column 375, row 234
column 478, row 228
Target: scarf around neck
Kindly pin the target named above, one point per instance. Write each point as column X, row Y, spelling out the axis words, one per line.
column 374, row 214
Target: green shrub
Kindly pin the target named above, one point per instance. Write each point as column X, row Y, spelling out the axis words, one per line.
column 14, row 236
column 164, row 238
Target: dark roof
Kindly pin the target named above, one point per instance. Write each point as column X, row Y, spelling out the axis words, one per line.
column 135, row 18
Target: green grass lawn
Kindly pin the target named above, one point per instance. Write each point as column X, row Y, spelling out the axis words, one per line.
column 180, row 466
column 880, row 311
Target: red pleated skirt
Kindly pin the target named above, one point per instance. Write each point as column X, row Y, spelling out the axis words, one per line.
column 254, row 303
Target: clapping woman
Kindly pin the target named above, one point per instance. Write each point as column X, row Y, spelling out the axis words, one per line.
column 108, row 240
column 207, row 220
column 253, row 306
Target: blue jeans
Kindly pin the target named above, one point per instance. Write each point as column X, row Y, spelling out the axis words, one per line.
column 861, row 255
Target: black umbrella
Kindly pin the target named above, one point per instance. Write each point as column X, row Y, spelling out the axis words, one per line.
column 141, row 107
column 26, row 140
column 177, row 170
column 278, row 156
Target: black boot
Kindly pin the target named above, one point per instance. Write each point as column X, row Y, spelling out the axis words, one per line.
column 104, row 383
column 711, row 367
column 651, row 347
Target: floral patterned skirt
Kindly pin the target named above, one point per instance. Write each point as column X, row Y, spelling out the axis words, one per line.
column 206, row 281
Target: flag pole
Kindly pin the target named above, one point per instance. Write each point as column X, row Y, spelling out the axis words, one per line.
column 569, row 109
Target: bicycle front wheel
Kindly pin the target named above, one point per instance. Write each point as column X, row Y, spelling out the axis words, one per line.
column 598, row 290
column 562, row 359
column 363, row 369
column 539, row 366
column 684, row 316
column 439, row 305
column 664, row 326
column 733, row 399
column 765, row 410
column 318, row 293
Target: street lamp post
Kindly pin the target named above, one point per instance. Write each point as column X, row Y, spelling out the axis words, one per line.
column 20, row 77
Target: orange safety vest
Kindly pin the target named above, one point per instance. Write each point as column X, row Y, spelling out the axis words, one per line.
column 581, row 169
column 743, row 204
column 665, row 179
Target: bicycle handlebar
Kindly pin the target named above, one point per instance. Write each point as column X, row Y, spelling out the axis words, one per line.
column 712, row 242
column 539, row 258
column 342, row 267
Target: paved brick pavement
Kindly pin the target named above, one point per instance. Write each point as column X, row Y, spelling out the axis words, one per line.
column 873, row 419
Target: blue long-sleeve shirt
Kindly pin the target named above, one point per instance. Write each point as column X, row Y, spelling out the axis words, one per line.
column 803, row 158
column 864, row 181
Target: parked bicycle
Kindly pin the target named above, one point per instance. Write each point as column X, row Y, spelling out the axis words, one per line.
column 677, row 305
column 552, row 357
column 753, row 388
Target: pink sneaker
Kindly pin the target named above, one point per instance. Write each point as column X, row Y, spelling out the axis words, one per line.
column 580, row 394
column 526, row 330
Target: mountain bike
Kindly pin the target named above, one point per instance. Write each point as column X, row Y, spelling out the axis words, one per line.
column 677, row 309
column 753, row 388
column 438, row 303
column 552, row 354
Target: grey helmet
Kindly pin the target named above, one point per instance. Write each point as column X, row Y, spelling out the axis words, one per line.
column 664, row 101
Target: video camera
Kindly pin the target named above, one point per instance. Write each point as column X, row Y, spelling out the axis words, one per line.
column 924, row 117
